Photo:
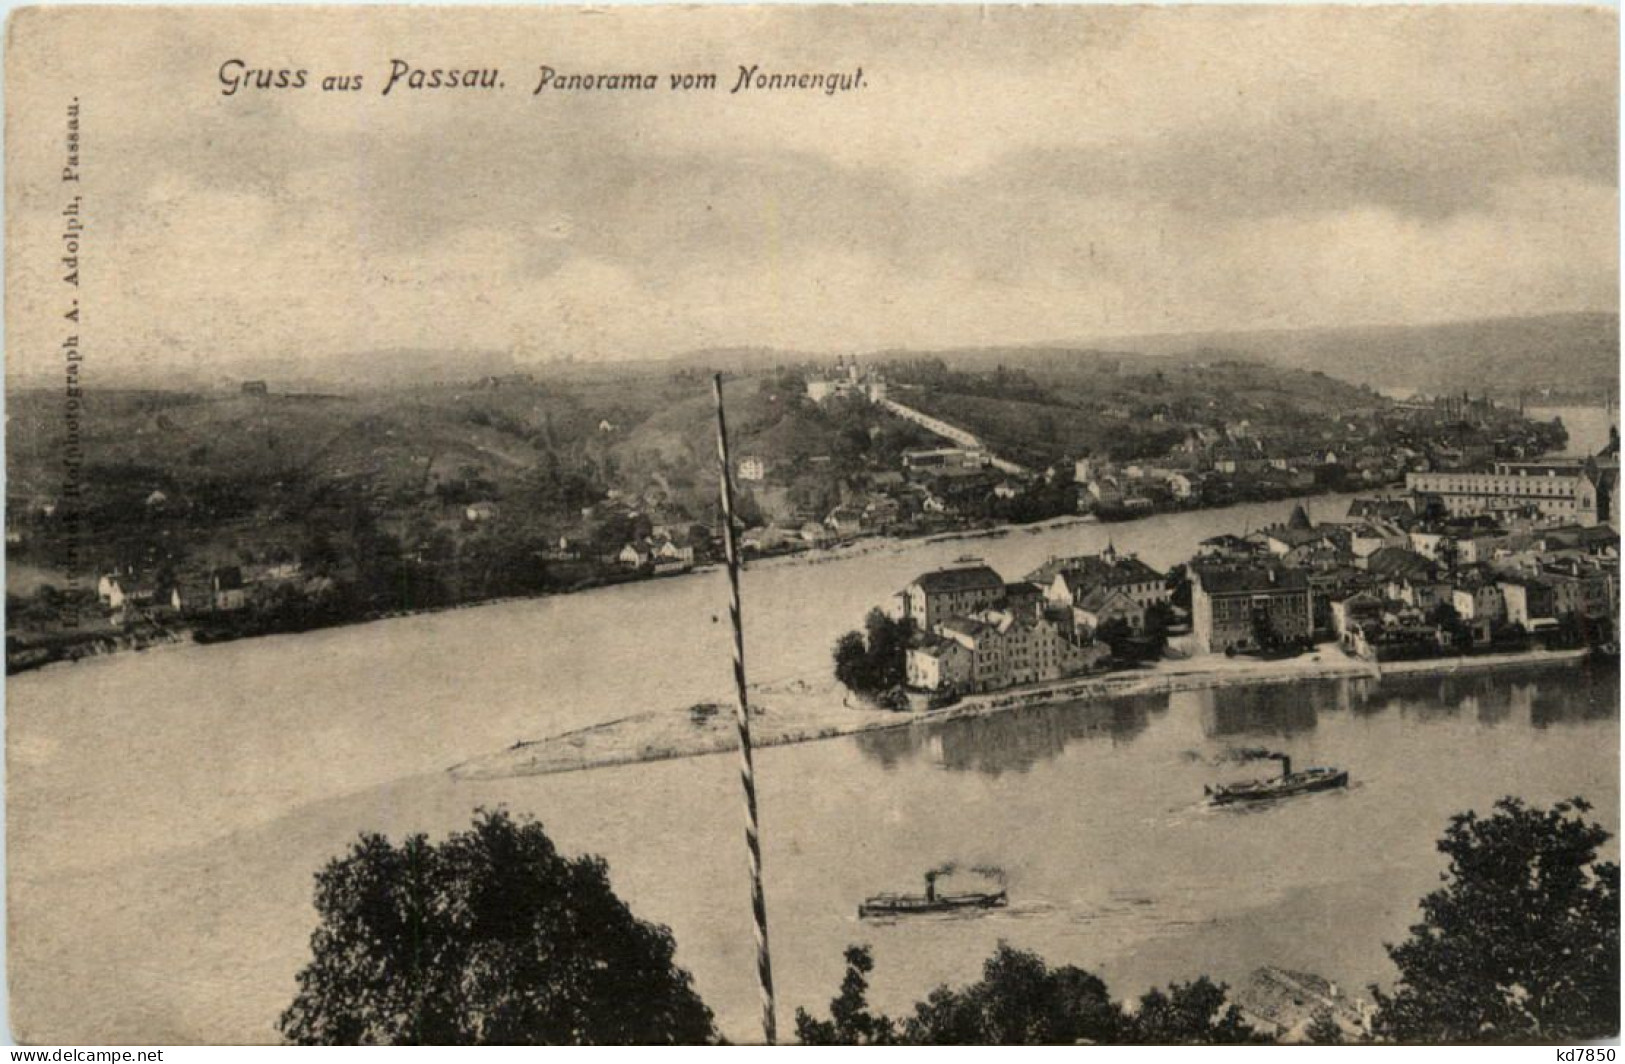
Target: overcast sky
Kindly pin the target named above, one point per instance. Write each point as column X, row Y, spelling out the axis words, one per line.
column 1006, row 176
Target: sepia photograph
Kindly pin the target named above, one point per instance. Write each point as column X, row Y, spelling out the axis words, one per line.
column 812, row 525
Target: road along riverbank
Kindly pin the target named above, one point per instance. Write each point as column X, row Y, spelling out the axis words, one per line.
column 800, row 711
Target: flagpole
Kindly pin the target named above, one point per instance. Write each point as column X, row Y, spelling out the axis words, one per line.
column 747, row 772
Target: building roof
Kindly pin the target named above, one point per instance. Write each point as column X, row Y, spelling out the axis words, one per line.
column 1253, row 579
column 1101, row 597
column 1592, row 536
column 1397, row 561
column 966, row 578
column 936, row 647
column 967, row 626
column 1088, row 570
column 1294, row 536
column 1381, row 507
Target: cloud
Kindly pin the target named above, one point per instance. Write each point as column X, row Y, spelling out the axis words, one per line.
column 1010, row 175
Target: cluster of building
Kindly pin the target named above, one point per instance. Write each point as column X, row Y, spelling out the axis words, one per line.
column 1401, row 576
column 1208, row 469
column 666, row 550
column 1224, row 462
column 975, row 632
column 129, row 597
column 1437, row 447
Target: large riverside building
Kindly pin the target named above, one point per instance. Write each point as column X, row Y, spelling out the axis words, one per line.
column 958, row 592
column 1232, row 606
column 1512, row 488
column 994, row 649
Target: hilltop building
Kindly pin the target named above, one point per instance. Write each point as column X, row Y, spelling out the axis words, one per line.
column 847, row 380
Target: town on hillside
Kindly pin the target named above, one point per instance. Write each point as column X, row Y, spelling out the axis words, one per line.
column 261, row 510
column 1502, row 561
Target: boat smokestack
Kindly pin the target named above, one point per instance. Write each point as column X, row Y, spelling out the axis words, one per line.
column 930, row 886
column 1286, row 765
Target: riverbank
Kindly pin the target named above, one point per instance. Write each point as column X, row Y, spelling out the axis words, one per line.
column 65, row 647
column 24, row 651
column 801, row 711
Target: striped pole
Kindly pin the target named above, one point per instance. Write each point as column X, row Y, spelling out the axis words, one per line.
column 747, row 771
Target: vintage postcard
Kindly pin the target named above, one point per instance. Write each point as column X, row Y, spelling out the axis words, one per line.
column 812, row 524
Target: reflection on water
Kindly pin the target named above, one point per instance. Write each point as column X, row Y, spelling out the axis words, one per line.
column 1593, row 695
column 1016, row 740
column 1013, row 741
column 1282, row 710
column 1563, row 693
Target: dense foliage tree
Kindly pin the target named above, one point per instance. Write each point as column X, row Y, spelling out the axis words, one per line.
column 1021, row 1000
column 1323, row 1030
column 1521, row 943
column 490, row 937
column 1116, row 633
column 850, row 1023
column 852, row 661
column 1178, row 583
column 1194, row 1013
column 814, row 492
column 875, row 661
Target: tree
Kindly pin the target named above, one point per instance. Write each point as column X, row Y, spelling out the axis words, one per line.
column 1521, row 943
column 1323, row 1030
column 1116, row 633
column 1196, row 1013
column 850, row 1022
column 876, row 663
column 1159, row 618
column 852, row 661
column 1178, row 583
column 1445, row 615
column 888, row 647
column 490, row 937
column 1019, row 1000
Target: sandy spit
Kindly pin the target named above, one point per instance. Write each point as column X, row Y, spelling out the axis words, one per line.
column 806, row 710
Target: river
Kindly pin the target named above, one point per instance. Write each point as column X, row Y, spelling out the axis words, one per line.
column 1588, row 425
column 167, row 810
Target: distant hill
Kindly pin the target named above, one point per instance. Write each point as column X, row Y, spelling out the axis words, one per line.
column 1572, row 356
column 1569, row 354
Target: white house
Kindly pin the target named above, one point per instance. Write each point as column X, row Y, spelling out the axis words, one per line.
column 110, row 591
